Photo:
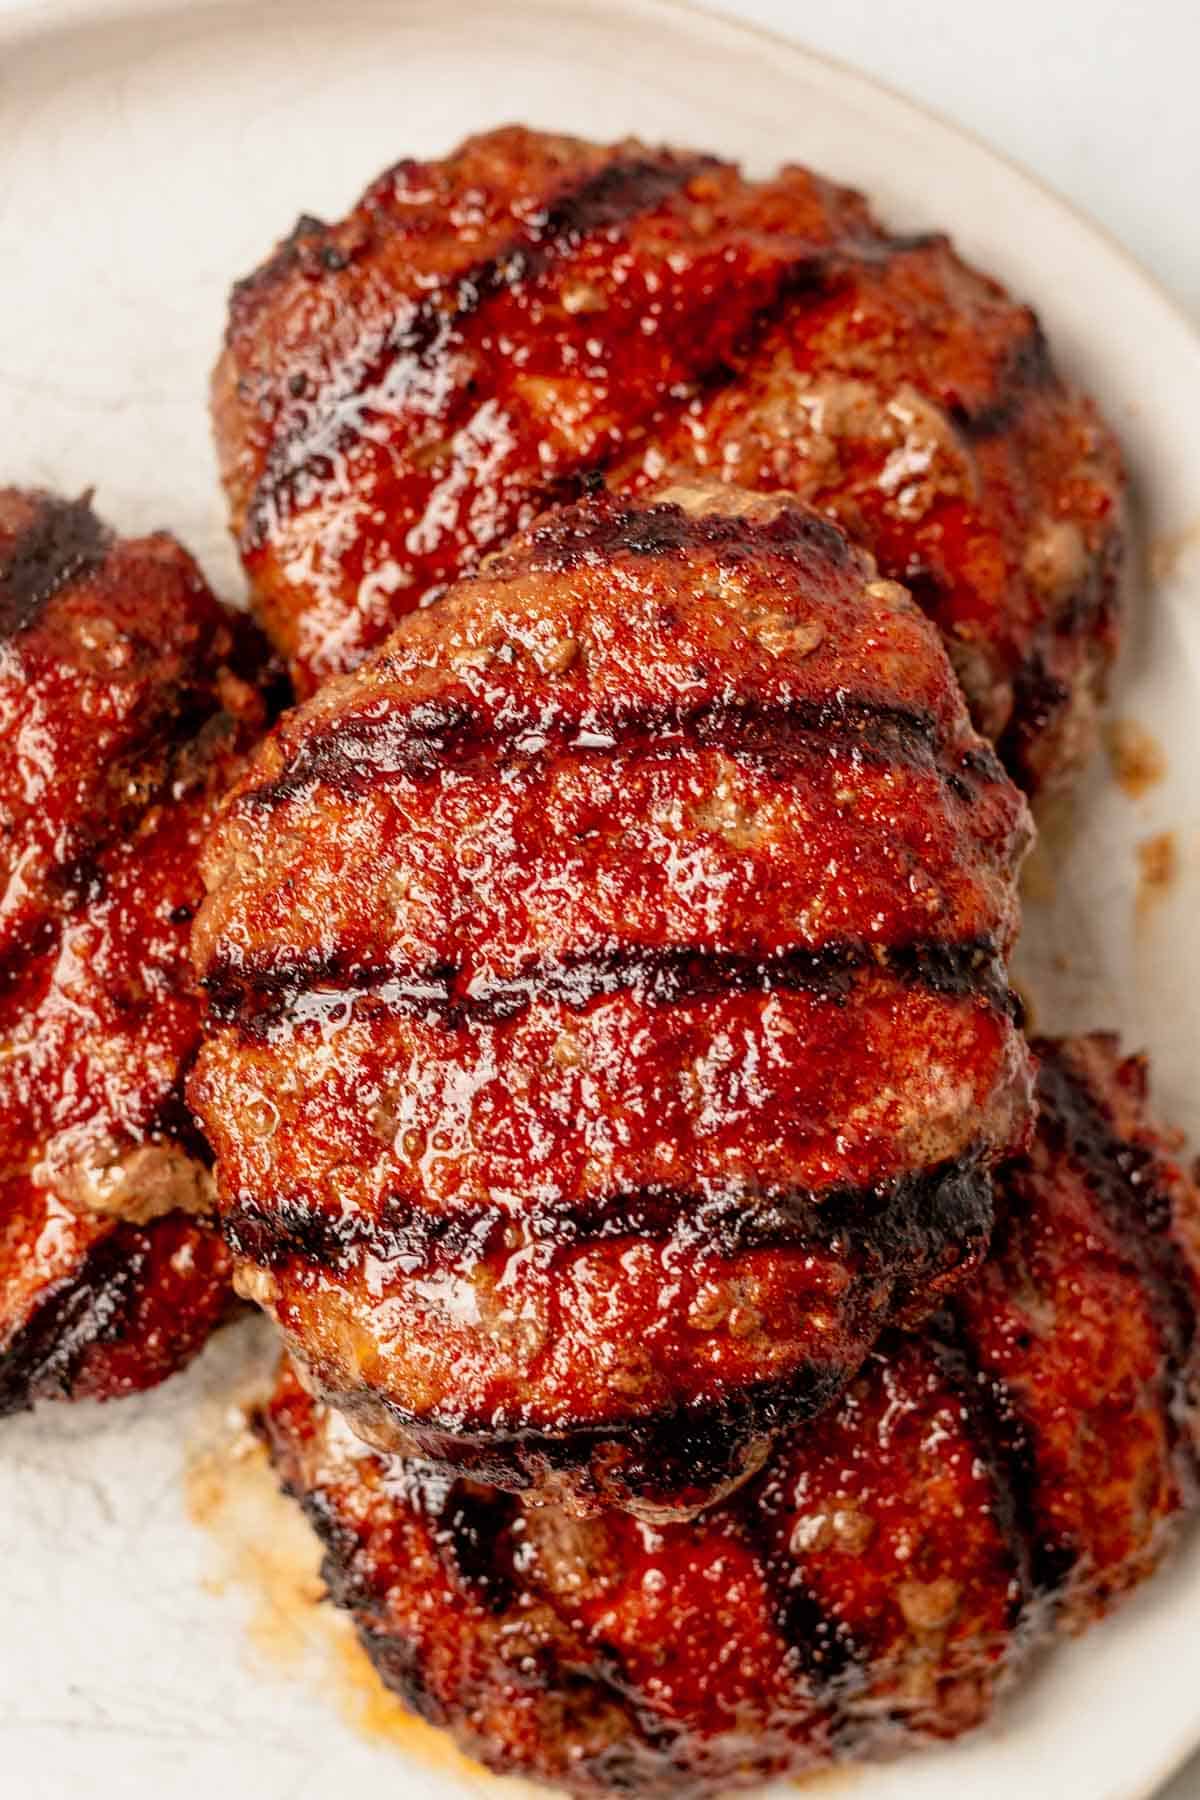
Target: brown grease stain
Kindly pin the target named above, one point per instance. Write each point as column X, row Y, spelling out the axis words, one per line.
column 1137, row 758
column 826, row 1781
column 264, row 1551
column 1167, row 552
column 1158, row 867
column 264, row 1547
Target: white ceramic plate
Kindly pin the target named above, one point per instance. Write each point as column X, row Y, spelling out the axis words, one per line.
column 147, row 155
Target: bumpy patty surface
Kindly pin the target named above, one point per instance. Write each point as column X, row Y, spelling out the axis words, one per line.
column 908, row 397
column 616, row 1030
column 1001, row 1480
column 126, row 703
column 400, row 391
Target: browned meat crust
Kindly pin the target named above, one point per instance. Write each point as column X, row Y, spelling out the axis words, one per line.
column 908, row 397
column 400, row 391
column 995, row 1483
column 616, row 1032
column 125, row 710
column 110, row 1309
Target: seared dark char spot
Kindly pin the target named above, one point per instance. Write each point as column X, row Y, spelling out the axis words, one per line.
column 271, row 1002
column 567, row 540
column 418, row 741
column 90, row 1307
column 1122, row 1174
column 905, row 1222
column 1040, row 1565
column 676, row 1449
column 1027, row 368
column 64, row 541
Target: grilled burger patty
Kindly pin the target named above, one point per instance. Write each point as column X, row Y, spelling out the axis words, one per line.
column 126, row 704
column 612, row 1031
column 400, row 391
column 980, row 1490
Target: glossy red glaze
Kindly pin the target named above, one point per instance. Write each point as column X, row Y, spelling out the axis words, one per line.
column 404, row 389
column 911, row 400
column 110, row 653
column 401, row 391
column 978, row 1491
column 617, row 1033
column 122, row 687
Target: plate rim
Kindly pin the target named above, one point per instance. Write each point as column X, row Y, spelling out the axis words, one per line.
column 29, row 17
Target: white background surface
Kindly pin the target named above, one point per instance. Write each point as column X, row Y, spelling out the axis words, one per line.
column 1096, row 98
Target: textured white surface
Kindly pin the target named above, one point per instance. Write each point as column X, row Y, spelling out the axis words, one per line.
column 141, row 165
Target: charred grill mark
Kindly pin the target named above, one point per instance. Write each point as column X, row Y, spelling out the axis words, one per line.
column 899, row 1225
column 813, row 276
column 1028, row 365
column 85, row 1309
column 1040, row 697
column 666, row 530
column 1122, row 1175
column 1028, row 368
column 675, row 1449
column 419, row 334
column 177, row 754
column 65, row 540
column 471, row 1529
column 417, row 742
column 822, row 1649
column 1041, row 1564
column 271, row 1003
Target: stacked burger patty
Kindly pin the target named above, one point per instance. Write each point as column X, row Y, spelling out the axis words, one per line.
column 718, row 1343
column 611, row 1032
column 400, row 391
